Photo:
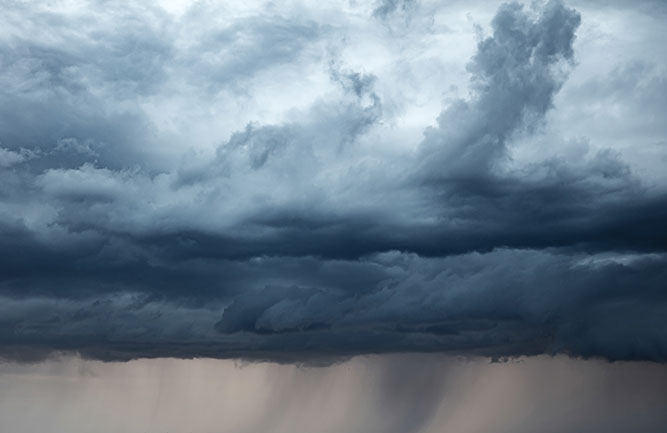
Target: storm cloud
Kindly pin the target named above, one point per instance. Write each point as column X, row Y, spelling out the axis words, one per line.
column 220, row 182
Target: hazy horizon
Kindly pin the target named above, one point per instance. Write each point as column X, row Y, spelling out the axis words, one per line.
column 369, row 394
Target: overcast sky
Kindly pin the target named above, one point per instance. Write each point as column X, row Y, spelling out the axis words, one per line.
column 382, row 216
column 303, row 181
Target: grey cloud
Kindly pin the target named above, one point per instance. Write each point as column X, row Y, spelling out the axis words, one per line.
column 230, row 56
column 306, row 238
column 653, row 7
column 66, row 92
column 10, row 157
column 88, row 77
column 358, row 83
column 634, row 91
column 385, row 8
column 83, row 53
column 515, row 74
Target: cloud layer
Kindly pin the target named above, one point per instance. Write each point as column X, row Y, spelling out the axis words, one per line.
column 159, row 199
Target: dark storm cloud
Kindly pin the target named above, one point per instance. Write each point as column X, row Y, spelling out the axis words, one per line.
column 543, row 302
column 300, row 239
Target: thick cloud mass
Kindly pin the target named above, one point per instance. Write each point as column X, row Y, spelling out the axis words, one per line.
column 317, row 230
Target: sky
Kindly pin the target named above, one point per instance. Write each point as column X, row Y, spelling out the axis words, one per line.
column 307, row 183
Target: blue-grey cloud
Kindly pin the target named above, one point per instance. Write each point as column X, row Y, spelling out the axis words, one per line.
column 306, row 238
column 387, row 7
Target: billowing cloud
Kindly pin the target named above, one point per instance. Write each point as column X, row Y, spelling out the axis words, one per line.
column 318, row 226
